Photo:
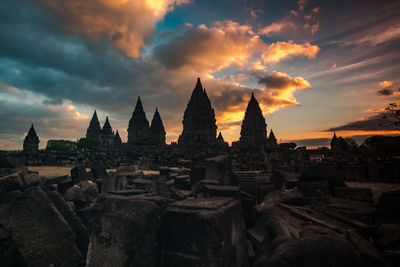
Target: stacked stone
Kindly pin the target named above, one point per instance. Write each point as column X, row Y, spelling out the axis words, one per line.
column 157, row 130
column 199, row 128
column 254, row 128
column 94, row 129
column 138, row 124
column 31, row 142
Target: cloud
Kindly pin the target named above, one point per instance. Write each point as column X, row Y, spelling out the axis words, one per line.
column 127, row 24
column 283, row 50
column 385, row 92
column 282, row 81
column 223, row 44
column 378, row 122
column 276, row 27
column 385, row 84
column 296, row 23
column 211, row 48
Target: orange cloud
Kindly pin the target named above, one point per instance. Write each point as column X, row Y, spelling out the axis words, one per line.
column 283, row 50
column 209, row 49
column 385, row 84
column 280, row 89
column 276, row 27
column 128, row 24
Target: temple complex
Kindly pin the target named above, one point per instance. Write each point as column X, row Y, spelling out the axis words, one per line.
column 199, row 128
column 157, row 130
column 254, row 128
column 31, row 142
column 138, row 124
column 94, row 127
column 201, row 202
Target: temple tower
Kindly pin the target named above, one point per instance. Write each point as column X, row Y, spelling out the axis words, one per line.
column 107, row 138
column 254, row 128
column 31, row 142
column 272, row 141
column 107, row 130
column 199, row 128
column 138, row 124
column 94, row 130
column 157, row 130
column 118, row 140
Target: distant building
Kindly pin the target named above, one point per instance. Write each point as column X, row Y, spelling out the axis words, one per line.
column 31, row 142
column 339, row 144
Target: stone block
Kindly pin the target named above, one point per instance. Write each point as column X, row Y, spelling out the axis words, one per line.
column 124, row 232
column 205, row 232
column 39, row 232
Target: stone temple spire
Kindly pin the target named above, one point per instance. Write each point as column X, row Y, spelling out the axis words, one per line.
column 199, row 128
column 157, row 130
column 107, row 130
column 118, row 140
column 220, row 138
column 138, row 124
column 93, row 131
column 272, row 141
column 31, row 142
column 254, row 128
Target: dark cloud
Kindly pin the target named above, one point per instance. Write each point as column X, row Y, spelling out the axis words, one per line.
column 313, row 142
column 380, row 122
column 282, row 81
column 385, row 92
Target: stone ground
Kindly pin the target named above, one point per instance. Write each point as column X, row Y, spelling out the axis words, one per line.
column 50, row 171
column 376, row 188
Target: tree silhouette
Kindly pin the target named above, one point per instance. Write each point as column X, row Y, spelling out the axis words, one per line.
column 394, row 110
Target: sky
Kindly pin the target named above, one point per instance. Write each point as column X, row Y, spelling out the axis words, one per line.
column 314, row 66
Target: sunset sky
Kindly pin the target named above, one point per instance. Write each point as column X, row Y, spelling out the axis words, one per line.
column 314, row 66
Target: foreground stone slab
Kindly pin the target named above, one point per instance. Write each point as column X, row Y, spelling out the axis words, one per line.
column 124, row 232
column 205, row 232
column 66, row 210
column 39, row 232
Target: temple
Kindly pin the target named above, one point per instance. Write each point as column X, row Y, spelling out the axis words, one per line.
column 107, row 138
column 254, row 128
column 31, row 142
column 157, row 130
column 272, row 141
column 94, row 129
column 138, row 124
column 199, row 128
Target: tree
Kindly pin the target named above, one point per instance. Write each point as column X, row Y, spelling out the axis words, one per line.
column 394, row 109
column 144, row 141
column 88, row 143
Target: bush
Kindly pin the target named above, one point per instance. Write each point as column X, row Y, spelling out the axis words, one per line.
column 382, row 145
column 88, row 143
column 144, row 141
column 58, row 146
